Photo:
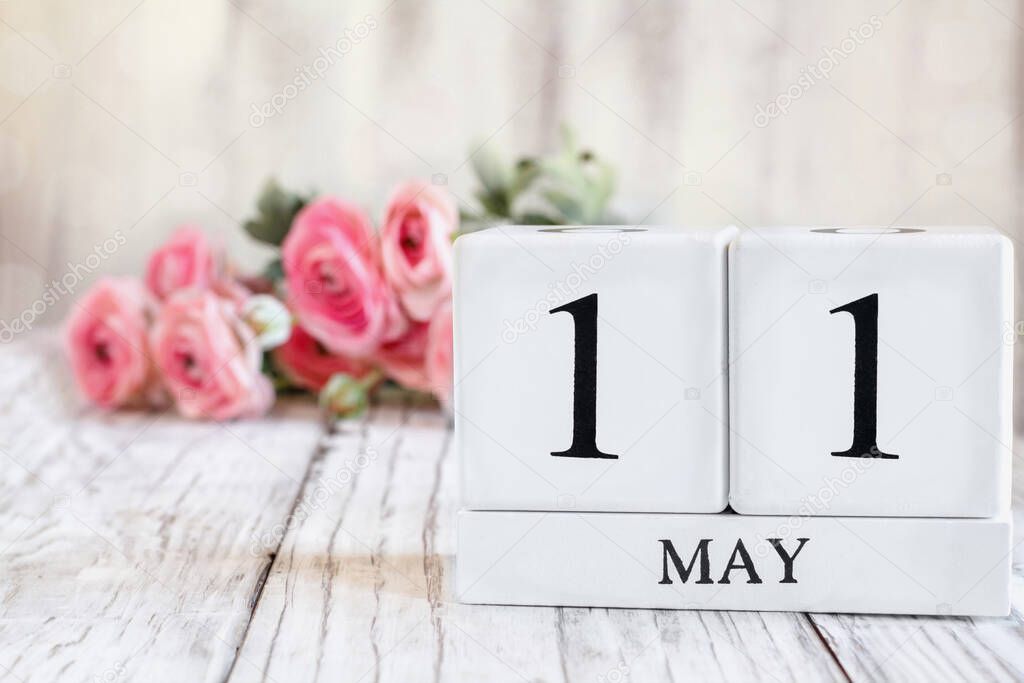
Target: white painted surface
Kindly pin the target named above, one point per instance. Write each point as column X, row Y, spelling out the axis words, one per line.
column 132, row 546
column 944, row 375
column 738, row 562
column 360, row 585
column 660, row 349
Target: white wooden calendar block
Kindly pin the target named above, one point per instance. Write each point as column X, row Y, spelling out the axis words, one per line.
column 870, row 371
column 589, row 368
column 736, row 562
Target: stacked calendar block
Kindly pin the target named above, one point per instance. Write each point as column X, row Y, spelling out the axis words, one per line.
column 845, row 390
column 850, row 340
column 590, row 365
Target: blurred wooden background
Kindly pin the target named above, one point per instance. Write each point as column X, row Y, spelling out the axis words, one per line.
column 121, row 119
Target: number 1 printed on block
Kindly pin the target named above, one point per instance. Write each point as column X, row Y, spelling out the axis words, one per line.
column 865, row 379
column 584, row 389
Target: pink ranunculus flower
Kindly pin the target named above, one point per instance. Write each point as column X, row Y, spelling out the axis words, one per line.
column 209, row 359
column 231, row 290
column 306, row 363
column 404, row 359
column 187, row 259
column 106, row 342
column 439, row 354
column 416, row 247
column 398, row 322
column 335, row 286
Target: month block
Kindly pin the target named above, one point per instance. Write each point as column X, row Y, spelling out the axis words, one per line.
column 870, row 371
column 589, row 366
column 899, row 565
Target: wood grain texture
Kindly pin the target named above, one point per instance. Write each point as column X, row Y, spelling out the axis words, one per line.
column 140, row 547
column 129, row 541
column 370, row 569
column 107, row 125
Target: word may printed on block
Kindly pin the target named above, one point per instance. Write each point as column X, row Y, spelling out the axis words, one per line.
column 739, row 560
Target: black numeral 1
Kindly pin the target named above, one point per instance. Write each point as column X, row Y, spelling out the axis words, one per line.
column 865, row 379
column 584, row 387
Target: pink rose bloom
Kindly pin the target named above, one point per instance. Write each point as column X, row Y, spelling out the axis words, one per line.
column 416, row 247
column 335, row 286
column 306, row 363
column 398, row 323
column 185, row 260
column 403, row 360
column 422, row 358
column 209, row 358
column 439, row 354
column 232, row 291
column 106, row 342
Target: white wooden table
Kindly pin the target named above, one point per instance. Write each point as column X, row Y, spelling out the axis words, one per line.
column 144, row 547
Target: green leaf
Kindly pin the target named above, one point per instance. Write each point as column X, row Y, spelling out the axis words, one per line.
column 491, row 171
column 570, row 186
column 526, row 171
column 274, row 271
column 276, row 209
column 493, row 204
column 570, row 207
column 536, row 219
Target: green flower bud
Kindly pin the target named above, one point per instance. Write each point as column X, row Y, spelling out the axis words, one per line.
column 344, row 396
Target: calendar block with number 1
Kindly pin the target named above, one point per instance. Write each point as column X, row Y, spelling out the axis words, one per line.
column 590, row 368
column 870, row 371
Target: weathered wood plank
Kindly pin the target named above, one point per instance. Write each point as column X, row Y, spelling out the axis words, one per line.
column 883, row 648
column 127, row 544
column 651, row 645
column 361, row 591
column 135, row 547
column 350, row 594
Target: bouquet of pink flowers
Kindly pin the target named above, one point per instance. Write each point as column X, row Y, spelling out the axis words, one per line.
column 345, row 308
